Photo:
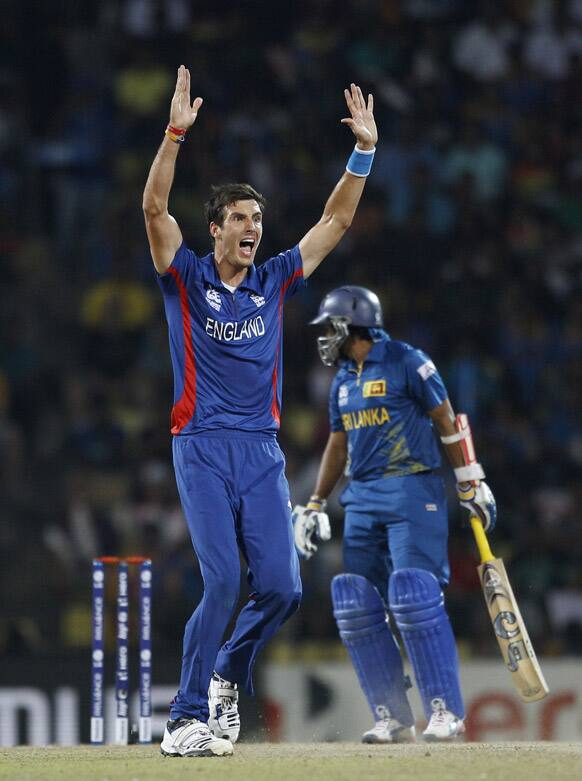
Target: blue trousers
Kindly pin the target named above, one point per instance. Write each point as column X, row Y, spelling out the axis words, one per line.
column 235, row 497
column 395, row 523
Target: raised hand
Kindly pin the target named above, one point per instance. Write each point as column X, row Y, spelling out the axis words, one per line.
column 182, row 114
column 361, row 121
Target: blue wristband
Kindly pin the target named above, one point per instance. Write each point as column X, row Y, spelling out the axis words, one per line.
column 360, row 162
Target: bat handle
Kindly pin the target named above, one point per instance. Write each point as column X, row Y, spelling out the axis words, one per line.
column 481, row 540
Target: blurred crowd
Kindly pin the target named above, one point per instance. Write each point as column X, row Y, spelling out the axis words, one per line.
column 470, row 230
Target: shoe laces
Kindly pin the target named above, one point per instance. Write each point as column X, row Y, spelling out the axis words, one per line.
column 191, row 727
column 439, row 717
column 226, row 702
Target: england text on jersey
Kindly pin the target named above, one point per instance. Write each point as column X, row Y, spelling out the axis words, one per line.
column 230, row 331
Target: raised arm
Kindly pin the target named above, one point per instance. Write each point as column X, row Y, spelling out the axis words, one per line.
column 341, row 205
column 164, row 234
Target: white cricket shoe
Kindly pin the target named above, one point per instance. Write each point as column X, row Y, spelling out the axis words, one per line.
column 192, row 738
column 443, row 725
column 224, row 719
column 389, row 731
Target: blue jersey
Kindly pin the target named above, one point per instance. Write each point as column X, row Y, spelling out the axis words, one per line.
column 227, row 348
column 382, row 406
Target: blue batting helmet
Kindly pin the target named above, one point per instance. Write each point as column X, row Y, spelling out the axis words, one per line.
column 345, row 306
column 357, row 304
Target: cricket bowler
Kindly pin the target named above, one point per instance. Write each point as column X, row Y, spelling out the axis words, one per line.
column 225, row 323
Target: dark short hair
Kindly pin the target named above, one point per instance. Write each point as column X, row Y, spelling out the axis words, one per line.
column 225, row 194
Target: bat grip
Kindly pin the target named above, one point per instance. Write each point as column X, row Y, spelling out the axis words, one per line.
column 481, row 540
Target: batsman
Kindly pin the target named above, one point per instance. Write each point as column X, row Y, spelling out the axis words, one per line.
column 388, row 406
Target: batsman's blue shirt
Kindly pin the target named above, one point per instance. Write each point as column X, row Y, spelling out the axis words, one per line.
column 383, row 408
column 227, row 348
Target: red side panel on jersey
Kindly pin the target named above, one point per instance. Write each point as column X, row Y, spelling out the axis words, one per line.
column 183, row 409
column 275, row 411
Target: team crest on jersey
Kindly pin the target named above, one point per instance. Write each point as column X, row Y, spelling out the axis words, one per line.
column 374, row 388
column 258, row 300
column 214, row 299
column 342, row 395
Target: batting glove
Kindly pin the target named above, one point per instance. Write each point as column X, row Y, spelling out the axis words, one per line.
column 479, row 500
column 308, row 521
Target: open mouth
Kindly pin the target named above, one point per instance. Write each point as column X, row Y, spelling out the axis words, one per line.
column 246, row 247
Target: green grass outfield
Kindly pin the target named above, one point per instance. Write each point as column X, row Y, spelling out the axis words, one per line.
column 302, row 761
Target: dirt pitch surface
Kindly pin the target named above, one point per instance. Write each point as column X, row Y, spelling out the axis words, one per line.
column 302, row 761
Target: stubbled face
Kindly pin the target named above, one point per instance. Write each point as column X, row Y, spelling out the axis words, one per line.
column 239, row 236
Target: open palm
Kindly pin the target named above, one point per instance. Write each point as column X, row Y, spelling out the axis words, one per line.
column 361, row 121
column 182, row 114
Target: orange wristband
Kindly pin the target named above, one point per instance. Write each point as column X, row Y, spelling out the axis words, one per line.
column 176, row 134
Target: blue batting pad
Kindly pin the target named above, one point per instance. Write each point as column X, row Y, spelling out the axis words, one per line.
column 363, row 627
column 417, row 604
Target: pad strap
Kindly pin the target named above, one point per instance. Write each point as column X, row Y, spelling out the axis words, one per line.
column 452, row 438
column 465, row 474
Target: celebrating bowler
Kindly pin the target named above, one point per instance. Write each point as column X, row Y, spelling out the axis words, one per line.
column 225, row 328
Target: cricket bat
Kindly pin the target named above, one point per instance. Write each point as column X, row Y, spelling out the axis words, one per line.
column 508, row 624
